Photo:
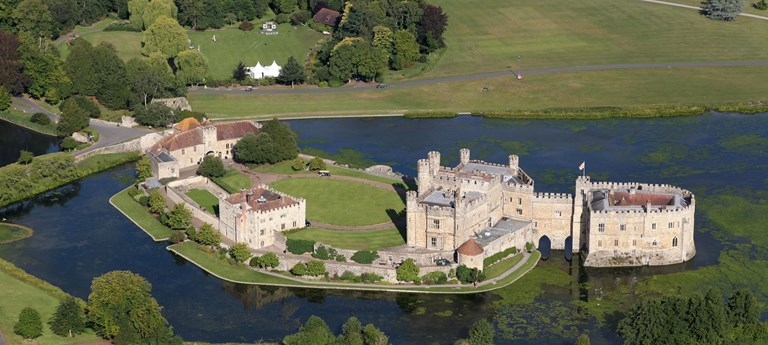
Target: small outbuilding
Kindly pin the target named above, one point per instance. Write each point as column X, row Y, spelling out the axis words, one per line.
column 327, row 16
column 471, row 254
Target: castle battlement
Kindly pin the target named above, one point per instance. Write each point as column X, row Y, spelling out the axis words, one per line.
column 516, row 187
column 553, row 197
column 646, row 187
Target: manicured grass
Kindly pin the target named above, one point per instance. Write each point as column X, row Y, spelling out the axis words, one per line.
column 342, row 202
column 553, row 33
column 12, row 232
column 748, row 8
column 127, row 44
column 205, row 199
column 100, row 25
column 233, row 181
column 233, row 46
column 704, row 85
column 16, row 295
column 285, row 168
column 212, row 263
column 502, row 266
column 106, row 161
column 22, row 119
column 359, row 240
column 141, row 216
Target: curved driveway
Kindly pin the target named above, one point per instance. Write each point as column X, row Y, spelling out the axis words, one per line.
column 475, row 76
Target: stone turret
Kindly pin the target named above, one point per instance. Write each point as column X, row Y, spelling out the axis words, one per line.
column 580, row 213
column 514, row 164
column 434, row 162
column 209, row 136
column 411, row 207
column 464, row 156
column 424, row 176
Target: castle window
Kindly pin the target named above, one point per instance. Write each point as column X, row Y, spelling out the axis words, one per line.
column 535, row 224
column 623, row 227
column 634, row 242
column 282, row 226
column 599, row 243
column 261, row 232
column 190, row 160
column 674, row 242
column 615, row 243
column 435, row 224
column 519, row 201
column 261, row 244
column 671, row 225
column 434, row 242
column 559, row 213
column 194, row 148
column 601, row 227
column 294, row 223
column 519, row 211
column 654, row 242
column 182, row 152
column 653, row 226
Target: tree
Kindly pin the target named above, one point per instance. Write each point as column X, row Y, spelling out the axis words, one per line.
column 481, row 333
column 120, row 306
column 81, row 104
column 315, row 331
column 240, row 252
column 240, row 72
column 298, row 164
column 79, row 68
column 136, row 10
column 180, row 217
column 156, row 8
column 374, row 336
column 383, row 40
column 143, row 168
column 268, row 260
column 68, row 319
column 191, row 67
column 11, row 77
column 154, row 114
column 211, row 167
column 34, row 17
column 208, row 237
column 73, row 118
column 406, row 50
column 315, row 268
column 408, row 271
column 743, row 308
column 291, row 73
column 29, row 325
column 431, row 27
column 5, row 99
column 151, row 79
column 582, row 340
column 113, row 90
column 44, row 68
column 351, row 332
column 165, row 36
column 257, row 149
column 722, row 9
column 25, row 157
column 317, row 163
column 284, row 140
column 156, row 202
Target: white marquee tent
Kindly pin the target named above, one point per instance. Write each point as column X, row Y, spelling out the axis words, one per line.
column 259, row 71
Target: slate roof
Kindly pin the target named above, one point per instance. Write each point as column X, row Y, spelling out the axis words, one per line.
column 327, row 16
column 235, row 130
column 470, row 248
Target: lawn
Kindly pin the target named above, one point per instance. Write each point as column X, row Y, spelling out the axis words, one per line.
column 342, row 202
column 23, row 119
column 502, row 266
column 12, row 232
column 205, row 199
column 105, row 161
column 550, row 33
column 233, row 181
column 250, row 47
column 359, row 240
column 285, row 168
column 141, row 216
column 704, row 85
column 127, row 44
column 16, row 295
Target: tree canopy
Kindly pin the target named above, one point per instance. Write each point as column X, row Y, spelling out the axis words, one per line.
column 408, row 271
column 283, row 138
column 211, row 166
column 259, row 149
column 291, row 73
column 722, row 9
column 165, row 36
column 29, row 326
column 69, row 319
column 191, row 67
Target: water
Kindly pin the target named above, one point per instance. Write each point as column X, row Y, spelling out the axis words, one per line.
column 79, row 236
column 16, row 138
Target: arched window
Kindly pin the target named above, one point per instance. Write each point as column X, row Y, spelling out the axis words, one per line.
column 654, row 242
column 674, row 242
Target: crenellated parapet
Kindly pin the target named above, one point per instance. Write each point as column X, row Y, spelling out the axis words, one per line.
column 554, row 198
column 518, row 188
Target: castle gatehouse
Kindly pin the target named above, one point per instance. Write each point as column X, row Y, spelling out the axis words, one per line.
column 479, row 209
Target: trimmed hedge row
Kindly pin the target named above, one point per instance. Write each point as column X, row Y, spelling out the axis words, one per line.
column 299, row 247
column 365, row 256
column 498, row 256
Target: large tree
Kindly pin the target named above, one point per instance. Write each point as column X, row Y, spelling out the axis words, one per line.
column 154, row 114
column 121, row 306
column 73, row 118
column 46, row 72
column 722, row 9
column 291, row 73
column 208, row 237
column 259, row 149
column 191, row 67
column 69, row 319
column 29, row 326
column 408, row 271
column 180, row 217
column 211, row 167
column 314, row 331
column 151, row 79
column 481, row 333
column 406, row 50
column 431, row 27
column 283, row 138
column 5, row 99
column 79, row 68
column 240, row 72
column 113, row 88
column 11, row 76
column 34, row 17
column 157, row 8
column 165, row 36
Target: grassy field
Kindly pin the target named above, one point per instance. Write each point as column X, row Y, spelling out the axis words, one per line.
column 22, row 119
column 12, row 232
column 748, row 8
column 502, row 266
column 360, row 240
column 577, row 89
column 285, row 168
column 342, row 202
column 105, row 161
column 233, row 181
column 127, row 44
column 554, row 33
column 233, row 46
column 141, row 216
column 16, row 295
column 205, row 199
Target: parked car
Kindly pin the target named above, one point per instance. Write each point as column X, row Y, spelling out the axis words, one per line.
column 443, row 262
column 381, row 86
column 308, row 223
column 249, row 88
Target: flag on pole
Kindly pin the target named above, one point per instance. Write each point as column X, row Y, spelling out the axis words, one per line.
column 582, row 166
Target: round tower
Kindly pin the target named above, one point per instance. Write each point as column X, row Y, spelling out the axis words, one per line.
column 464, row 156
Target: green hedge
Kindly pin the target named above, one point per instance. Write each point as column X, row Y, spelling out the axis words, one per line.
column 498, row 256
column 436, row 277
column 300, row 246
column 429, row 114
column 365, row 256
column 601, row 112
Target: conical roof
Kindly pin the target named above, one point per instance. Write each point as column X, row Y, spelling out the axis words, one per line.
column 470, row 248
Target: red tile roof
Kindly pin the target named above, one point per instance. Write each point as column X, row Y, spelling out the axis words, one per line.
column 327, row 16
column 470, row 248
column 640, row 199
column 182, row 140
column 234, row 130
column 272, row 200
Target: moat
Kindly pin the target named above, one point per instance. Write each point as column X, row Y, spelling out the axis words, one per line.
column 79, row 236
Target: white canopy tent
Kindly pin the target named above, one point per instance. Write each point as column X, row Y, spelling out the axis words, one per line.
column 259, row 71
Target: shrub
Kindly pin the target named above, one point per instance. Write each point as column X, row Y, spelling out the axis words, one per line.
column 370, row 277
column 180, row 217
column 208, row 237
column 528, row 246
column 498, row 256
column 240, row 252
column 468, row 275
column 268, row 260
column 408, row 271
column 164, row 218
column 315, row 268
column 298, row 164
column 25, row 157
column 246, row 26
column 365, row 256
column 68, row 144
column 436, row 277
column 29, row 326
column 317, row 163
column 341, row 258
column 144, row 200
column 254, row 262
column 211, row 166
column 347, row 275
column 177, row 237
column 41, row 119
column 192, row 233
column 282, row 18
column 133, row 192
column 299, row 247
column 299, row 269
column 761, row 5
column 156, row 202
column 123, row 26
column 300, row 17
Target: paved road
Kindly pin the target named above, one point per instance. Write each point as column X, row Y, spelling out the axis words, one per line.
column 109, row 133
column 475, row 76
column 698, row 8
column 2, row 341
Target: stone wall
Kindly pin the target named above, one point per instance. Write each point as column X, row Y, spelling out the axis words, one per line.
column 139, row 144
column 176, row 192
column 552, row 215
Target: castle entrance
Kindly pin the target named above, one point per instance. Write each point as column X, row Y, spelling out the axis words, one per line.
column 545, row 247
column 568, row 248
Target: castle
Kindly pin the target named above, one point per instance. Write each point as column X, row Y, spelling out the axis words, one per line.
column 478, row 209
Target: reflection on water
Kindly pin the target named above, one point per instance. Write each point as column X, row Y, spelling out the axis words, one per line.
column 16, row 138
column 79, row 236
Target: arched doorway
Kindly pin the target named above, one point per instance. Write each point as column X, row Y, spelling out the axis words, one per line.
column 545, row 247
column 568, row 248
